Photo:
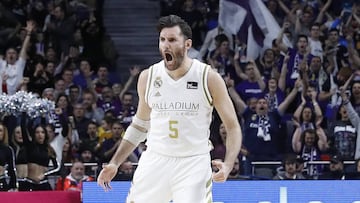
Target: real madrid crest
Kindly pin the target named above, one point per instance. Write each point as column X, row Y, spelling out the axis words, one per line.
column 158, row 82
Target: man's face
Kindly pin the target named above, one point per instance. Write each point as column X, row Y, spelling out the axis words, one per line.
column 309, row 139
column 102, row 73
column 315, row 64
column 107, row 93
column 290, row 167
column 250, row 71
column 74, row 93
column 86, row 156
column 79, row 111
column 272, row 83
column 11, row 56
column 173, row 47
column 333, row 36
column 315, row 31
column 262, row 107
column 117, row 130
column 302, row 44
column 127, row 100
column 88, row 100
column 78, row 171
column 92, row 129
column 58, row 13
column 68, row 76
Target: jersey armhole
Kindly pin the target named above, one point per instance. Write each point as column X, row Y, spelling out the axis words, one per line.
column 149, row 79
column 205, row 85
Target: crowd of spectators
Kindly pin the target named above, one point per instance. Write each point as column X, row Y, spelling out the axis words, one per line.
column 59, row 50
column 299, row 98
column 301, row 101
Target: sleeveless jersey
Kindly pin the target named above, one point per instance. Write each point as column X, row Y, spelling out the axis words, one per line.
column 181, row 111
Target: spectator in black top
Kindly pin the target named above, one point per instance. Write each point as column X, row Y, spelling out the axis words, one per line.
column 20, row 157
column 61, row 28
column 39, row 154
column 6, row 158
column 336, row 169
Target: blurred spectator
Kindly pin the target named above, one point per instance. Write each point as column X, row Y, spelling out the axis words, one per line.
column 87, row 155
column 273, row 95
column 335, row 170
column 296, row 55
column 86, row 76
column 253, row 86
column 92, row 111
column 309, row 117
column 268, row 66
column 354, row 175
column 74, row 94
column 92, row 142
column 334, row 49
column 290, row 172
column 104, row 130
column 125, row 172
column 63, row 102
column 39, row 154
column 128, row 108
column 235, row 172
column 93, row 38
column 7, row 160
column 209, row 42
column 193, row 17
column 61, row 28
column 75, row 179
column 219, row 144
column 308, row 145
column 109, row 146
column 222, row 58
column 81, row 122
column 347, row 141
column 314, row 41
column 262, row 128
column 17, row 144
column 109, row 102
column 67, row 75
column 12, row 67
column 102, row 79
column 48, row 93
column 40, row 79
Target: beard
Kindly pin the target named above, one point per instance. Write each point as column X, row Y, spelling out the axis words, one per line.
column 175, row 59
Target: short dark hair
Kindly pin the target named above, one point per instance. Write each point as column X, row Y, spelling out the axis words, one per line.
column 172, row 21
column 334, row 30
column 302, row 36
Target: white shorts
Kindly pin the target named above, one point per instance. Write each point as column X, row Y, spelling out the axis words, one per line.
column 159, row 179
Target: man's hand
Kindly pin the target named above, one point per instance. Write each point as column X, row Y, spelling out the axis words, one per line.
column 223, row 172
column 106, row 175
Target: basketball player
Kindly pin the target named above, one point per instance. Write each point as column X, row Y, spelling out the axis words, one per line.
column 176, row 100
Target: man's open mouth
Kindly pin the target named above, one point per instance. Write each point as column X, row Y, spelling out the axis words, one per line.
column 168, row 57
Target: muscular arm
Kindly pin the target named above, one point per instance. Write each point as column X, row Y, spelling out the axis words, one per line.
column 143, row 112
column 225, row 108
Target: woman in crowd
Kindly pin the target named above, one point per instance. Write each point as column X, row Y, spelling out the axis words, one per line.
column 6, row 158
column 309, row 146
column 20, row 157
column 39, row 153
column 63, row 102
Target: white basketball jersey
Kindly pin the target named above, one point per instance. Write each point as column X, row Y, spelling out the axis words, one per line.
column 181, row 111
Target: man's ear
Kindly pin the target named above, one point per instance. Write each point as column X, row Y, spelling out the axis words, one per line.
column 188, row 43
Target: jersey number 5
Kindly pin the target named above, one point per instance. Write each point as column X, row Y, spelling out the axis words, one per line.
column 174, row 131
